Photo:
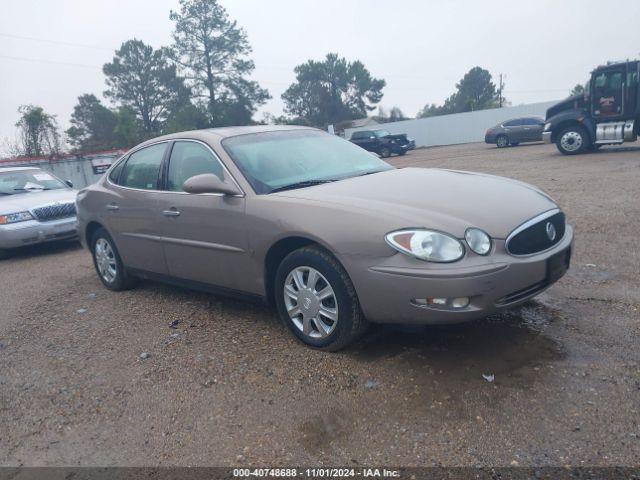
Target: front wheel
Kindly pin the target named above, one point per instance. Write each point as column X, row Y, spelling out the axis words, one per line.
column 573, row 140
column 502, row 141
column 108, row 263
column 385, row 152
column 317, row 301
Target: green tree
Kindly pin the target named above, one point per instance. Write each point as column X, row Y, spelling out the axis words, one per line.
column 128, row 130
column 331, row 91
column 144, row 80
column 187, row 117
column 577, row 90
column 394, row 115
column 92, row 125
column 212, row 50
column 38, row 133
column 475, row 91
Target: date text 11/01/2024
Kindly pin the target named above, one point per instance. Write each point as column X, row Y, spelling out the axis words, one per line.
column 317, row 472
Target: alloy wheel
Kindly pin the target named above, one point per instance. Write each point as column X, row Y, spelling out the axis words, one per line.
column 106, row 260
column 311, row 302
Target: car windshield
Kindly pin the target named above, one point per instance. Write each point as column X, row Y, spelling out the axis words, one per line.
column 381, row 133
column 274, row 161
column 24, row 181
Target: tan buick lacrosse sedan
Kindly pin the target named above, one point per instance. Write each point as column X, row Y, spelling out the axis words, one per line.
column 330, row 234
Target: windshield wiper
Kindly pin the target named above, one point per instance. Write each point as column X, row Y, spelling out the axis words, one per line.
column 306, row 183
column 30, row 189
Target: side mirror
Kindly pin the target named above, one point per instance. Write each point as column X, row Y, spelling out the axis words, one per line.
column 69, row 183
column 209, row 183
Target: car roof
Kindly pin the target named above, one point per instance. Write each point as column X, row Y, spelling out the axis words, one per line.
column 221, row 133
column 17, row 169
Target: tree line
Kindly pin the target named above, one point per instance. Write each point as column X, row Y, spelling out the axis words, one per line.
column 202, row 80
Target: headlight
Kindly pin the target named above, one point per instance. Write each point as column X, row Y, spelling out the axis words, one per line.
column 547, row 127
column 478, row 241
column 15, row 217
column 426, row 245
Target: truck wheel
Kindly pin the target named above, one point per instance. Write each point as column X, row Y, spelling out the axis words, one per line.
column 385, row 152
column 502, row 141
column 573, row 140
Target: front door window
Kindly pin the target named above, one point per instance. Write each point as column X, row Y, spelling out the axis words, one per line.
column 608, row 94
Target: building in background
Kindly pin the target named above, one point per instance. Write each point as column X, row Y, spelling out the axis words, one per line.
column 467, row 127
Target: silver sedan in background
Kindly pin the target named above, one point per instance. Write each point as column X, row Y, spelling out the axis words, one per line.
column 35, row 207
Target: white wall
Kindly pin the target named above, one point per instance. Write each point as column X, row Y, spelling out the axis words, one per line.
column 459, row 127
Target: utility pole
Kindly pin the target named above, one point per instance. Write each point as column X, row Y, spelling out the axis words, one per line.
column 500, row 88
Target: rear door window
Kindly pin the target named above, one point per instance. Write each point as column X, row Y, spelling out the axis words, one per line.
column 142, row 170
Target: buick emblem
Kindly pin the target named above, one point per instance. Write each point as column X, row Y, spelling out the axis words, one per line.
column 306, row 303
column 551, row 231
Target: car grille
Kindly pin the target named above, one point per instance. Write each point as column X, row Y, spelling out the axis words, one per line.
column 55, row 212
column 533, row 237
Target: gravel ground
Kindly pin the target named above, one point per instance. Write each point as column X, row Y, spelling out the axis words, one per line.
column 229, row 386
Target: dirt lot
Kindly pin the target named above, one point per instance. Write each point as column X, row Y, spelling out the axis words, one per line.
column 229, row 385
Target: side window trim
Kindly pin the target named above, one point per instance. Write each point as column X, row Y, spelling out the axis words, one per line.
column 126, row 159
column 118, row 164
column 167, row 160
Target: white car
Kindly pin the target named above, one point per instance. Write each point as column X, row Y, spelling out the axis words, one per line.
column 35, row 207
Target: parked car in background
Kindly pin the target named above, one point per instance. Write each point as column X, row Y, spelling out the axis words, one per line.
column 35, row 207
column 333, row 236
column 382, row 142
column 516, row 131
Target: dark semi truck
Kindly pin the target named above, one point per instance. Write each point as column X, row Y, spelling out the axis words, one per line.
column 607, row 114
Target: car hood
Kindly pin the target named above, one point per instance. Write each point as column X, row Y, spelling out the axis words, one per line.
column 446, row 200
column 21, row 202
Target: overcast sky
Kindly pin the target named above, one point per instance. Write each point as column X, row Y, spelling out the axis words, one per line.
column 420, row 47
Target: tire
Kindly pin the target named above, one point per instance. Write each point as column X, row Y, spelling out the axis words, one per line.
column 385, row 152
column 573, row 140
column 502, row 141
column 295, row 293
column 107, row 262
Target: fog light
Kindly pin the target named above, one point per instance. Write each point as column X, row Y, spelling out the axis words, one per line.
column 440, row 302
column 443, row 303
column 460, row 302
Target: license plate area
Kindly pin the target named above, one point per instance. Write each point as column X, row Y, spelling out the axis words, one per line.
column 558, row 264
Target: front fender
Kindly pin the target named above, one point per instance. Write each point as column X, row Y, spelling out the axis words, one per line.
column 570, row 117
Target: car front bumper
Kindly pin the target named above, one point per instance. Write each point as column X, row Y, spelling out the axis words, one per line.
column 20, row 234
column 387, row 291
column 546, row 137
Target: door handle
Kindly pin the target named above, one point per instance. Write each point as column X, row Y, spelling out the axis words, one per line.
column 112, row 207
column 171, row 213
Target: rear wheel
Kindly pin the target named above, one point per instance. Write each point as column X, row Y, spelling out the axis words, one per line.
column 502, row 141
column 108, row 263
column 317, row 301
column 385, row 152
column 573, row 140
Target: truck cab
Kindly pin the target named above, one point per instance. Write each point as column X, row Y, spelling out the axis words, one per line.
column 607, row 114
